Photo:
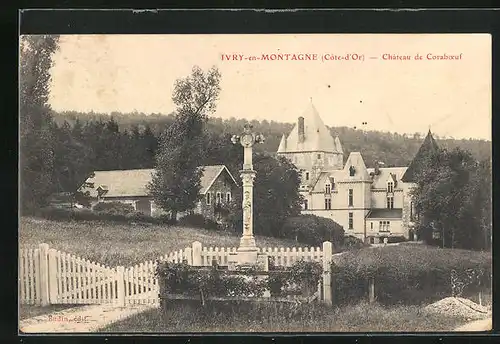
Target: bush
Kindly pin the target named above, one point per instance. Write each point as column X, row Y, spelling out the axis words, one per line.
column 313, row 230
column 352, row 243
column 113, row 208
column 181, row 278
column 407, row 274
column 198, row 221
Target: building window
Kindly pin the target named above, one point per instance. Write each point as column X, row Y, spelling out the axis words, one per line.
column 351, row 221
column 228, row 197
column 411, row 211
column 390, row 187
column 207, row 197
column 328, row 189
column 306, row 204
column 390, row 202
column 328, row 204
column 352, row 171
column 371, row 225
column 319, row 156
column 333, row 183
column 218, row 198
column 384, row 226
column 351, row 197
column 307, row 175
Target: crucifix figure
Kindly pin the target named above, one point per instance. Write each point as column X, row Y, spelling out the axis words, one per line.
column 247, row 139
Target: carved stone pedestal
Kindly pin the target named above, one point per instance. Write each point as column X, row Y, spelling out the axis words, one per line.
column 243, row 260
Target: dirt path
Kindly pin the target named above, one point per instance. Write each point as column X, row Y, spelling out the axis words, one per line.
column 476, row 326
column 80, row 319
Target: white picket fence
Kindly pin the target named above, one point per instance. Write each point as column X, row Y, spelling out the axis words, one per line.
column 48, row 276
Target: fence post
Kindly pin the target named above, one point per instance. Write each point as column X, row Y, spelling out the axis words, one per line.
column 43, row 274
column 52, row 266
column 371, row 289
column 189, row 255
column 327, row 273
column 196, row 253
column 120, row 278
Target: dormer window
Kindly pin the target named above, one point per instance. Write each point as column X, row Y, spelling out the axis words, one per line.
column 352, row 171
column 390, row 187
column 328, row 188
column 101, row 191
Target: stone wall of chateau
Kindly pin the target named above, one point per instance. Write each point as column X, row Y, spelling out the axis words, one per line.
column 407, row 212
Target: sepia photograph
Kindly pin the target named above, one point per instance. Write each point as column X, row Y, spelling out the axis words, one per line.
column 211, row 183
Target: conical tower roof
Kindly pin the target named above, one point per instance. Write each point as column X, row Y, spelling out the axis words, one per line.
column 429, row 146
column 316, row 136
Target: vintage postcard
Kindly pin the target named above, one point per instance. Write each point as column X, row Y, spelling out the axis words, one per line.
column 255, row 183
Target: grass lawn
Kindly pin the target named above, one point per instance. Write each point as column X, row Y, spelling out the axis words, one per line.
column 362, row 317
column 115, row 244
column 30, row 311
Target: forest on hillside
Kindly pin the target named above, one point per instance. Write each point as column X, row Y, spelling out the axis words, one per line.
column 391, row 148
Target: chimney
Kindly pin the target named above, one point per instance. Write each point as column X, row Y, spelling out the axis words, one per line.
column 301, row 129
column 377, row 168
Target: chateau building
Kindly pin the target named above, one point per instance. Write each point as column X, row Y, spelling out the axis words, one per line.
column 370, row 203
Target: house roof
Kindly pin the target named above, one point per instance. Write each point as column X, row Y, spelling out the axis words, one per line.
column 133, row 183
column 380, row 180
column 317, row 137
column 428, row 146
column 385, row 214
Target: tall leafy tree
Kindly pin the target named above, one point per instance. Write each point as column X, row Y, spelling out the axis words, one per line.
column 36, row 139
column 449, row 199
column 149, row 146
column 176, row 184
column 276, row 195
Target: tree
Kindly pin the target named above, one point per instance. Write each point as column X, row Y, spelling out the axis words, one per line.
column 71, row 159
column 449, row 200
column 176, row 183
column 276, row 195
column 36, row 139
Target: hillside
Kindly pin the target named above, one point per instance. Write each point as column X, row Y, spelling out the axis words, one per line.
column 392, row 148
column 116, row 244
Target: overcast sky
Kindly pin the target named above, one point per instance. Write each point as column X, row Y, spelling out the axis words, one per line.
column 106, row 73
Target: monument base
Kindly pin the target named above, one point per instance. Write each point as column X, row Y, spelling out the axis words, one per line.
column 246, row 259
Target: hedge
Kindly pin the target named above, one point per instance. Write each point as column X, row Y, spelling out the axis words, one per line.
column 410, row 274
column 313, row 230
column 62, row 214
column 198, row 221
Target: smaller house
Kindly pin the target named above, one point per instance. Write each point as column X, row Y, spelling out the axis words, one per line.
column 130, row 186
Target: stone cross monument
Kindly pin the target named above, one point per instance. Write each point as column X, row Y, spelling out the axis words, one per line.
column 247, row 254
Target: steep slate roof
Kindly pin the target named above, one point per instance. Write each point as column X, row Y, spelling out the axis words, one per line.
column 133, row 183
column 380, row 180
column 383, row 213
column 428, row 146
column 317, row 137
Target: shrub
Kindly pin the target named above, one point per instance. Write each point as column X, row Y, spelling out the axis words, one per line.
column 181, row 278
column 351, row 243
column 199, row 221
column 406, row 274
column 313, row 230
